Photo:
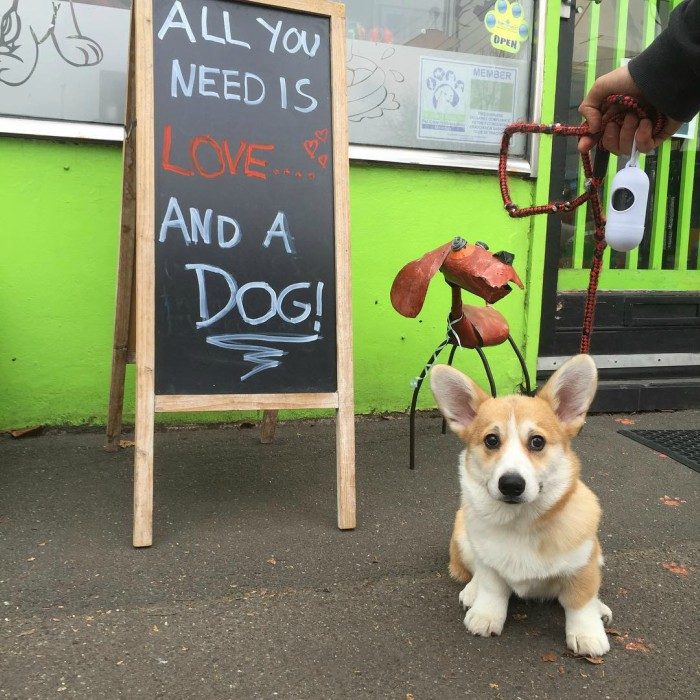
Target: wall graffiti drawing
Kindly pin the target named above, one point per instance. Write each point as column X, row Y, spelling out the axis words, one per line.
column 368, row 97
column 22, row 33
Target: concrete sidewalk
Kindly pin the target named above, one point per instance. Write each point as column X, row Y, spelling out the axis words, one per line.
column 251, row 592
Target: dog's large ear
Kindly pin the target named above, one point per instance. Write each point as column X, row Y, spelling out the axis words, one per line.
column 570, row 390
column 457, row 396
column 411, row 284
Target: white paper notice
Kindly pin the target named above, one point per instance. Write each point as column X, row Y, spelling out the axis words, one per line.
column 467, row 102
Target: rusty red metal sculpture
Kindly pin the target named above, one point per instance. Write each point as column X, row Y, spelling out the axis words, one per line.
column 469, row 267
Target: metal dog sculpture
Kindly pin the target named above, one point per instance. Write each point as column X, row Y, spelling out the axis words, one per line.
column 476, row 270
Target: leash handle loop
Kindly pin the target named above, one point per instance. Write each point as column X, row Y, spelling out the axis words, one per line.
column 615, row 108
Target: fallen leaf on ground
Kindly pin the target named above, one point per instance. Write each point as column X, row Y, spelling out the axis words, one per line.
column 675, row 568
column 24, row 634
column 637, row 645
column 597, row 660
column 26, row 432
column 615, row 633
column 661, row 455
column 550, row 656
column 410, row 696
column 561, row 670
column 519, row 616
column 272, row 561
column 495, row 686
column 672, row 501
column 625, row 421
column 126, row 443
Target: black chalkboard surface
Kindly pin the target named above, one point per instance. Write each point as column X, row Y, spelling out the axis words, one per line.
column 244, row 200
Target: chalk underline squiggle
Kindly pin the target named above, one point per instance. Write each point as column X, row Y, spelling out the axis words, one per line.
column 262, row 356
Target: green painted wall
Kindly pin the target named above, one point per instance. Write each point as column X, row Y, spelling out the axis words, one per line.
column 397, row 215
column 59, row 226
column 613, row 280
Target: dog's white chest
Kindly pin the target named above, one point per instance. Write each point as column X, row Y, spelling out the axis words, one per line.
column 516, row 556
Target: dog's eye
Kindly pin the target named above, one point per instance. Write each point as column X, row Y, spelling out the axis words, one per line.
column 492, row 441
column 536, row 443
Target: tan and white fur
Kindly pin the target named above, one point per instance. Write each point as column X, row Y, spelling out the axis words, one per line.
column 527, row 524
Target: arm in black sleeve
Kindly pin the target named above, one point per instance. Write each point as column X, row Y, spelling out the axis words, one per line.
column 668, row 71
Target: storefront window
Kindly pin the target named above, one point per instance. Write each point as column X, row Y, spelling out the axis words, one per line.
column 430, row 76
column 444, row 75
column 606, row 38
column 64, row 59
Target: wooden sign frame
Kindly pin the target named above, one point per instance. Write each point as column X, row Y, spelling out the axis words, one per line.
column 134, row 331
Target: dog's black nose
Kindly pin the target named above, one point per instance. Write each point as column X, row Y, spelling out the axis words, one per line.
column 511, row 485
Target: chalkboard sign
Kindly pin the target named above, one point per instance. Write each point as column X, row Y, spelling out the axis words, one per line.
column 245, row 246
column 239, row 174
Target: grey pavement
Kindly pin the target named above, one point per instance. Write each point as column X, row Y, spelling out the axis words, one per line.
column 250, row 591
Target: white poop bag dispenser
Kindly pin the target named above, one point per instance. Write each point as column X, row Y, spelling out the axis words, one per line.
column 627, row 207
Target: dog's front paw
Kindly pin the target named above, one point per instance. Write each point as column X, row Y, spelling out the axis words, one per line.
column 588, row 644
column 483, row 623
column 468, row 594
column 587, row 636
column 585, row 633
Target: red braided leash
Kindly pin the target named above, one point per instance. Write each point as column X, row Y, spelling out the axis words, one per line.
column 594, row 173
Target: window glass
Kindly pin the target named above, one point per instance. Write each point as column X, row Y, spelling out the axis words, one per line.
column 64, row 59
column 438, row 74
column 443, row 75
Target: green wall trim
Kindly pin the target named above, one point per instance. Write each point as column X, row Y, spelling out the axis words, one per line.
column 661, row 280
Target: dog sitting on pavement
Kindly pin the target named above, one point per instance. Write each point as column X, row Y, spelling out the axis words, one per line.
column 527, row 523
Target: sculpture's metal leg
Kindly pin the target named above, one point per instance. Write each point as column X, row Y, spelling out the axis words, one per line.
column 414, row 400
column 523, row 366
column 487, row 367
column 449, row 362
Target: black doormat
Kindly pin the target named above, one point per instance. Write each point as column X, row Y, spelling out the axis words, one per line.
column 681, row 445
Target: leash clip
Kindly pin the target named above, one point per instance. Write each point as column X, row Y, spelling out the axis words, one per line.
column 634, row 156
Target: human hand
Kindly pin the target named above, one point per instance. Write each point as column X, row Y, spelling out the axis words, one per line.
column 618, row 138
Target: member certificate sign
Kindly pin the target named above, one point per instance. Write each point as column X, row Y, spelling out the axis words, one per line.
column 462, row 101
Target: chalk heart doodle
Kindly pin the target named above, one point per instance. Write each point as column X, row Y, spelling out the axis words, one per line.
column 311, row 146
column 27, row 24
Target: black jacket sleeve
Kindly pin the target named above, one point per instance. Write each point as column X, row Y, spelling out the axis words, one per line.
column 668, row 71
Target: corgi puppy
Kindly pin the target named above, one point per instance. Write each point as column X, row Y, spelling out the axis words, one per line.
column 527, row 524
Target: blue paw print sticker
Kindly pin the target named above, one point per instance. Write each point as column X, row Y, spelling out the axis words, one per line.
column 447, row 90
column 507, row 25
